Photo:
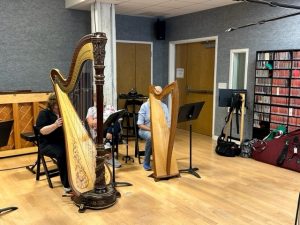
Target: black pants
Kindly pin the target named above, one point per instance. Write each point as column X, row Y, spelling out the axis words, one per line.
column 58, row 152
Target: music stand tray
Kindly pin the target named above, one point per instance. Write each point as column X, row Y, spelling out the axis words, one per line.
column 113, row 118
column 187, row 113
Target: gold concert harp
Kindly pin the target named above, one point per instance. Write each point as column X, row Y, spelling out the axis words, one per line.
column 164, row 161
column 89, row 177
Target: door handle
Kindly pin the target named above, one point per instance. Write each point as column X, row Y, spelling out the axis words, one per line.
column 198, row 91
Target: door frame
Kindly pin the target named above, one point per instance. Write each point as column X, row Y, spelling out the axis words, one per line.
column 140, row 42
column 239, row 50
column 171, row 77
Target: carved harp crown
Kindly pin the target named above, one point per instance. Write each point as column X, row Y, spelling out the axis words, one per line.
column 80, row 148
column 162, row 135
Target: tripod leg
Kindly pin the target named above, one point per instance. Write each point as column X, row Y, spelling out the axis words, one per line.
column 121, row 184
column 191, row 171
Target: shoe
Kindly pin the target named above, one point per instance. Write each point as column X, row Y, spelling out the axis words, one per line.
column 117, row 163
column 67, row 190
column 147, row 167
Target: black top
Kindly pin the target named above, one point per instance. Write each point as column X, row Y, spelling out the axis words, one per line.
column 47, row 117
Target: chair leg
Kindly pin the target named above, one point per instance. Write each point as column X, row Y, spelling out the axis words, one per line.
column 139, row 157
column 137, row 150
column 38, row 166
column 46, row 171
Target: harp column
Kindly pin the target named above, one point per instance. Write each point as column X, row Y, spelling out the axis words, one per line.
column 103, row 20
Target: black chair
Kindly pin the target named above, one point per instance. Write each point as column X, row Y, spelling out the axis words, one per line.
column 138, row 153
column 41, row 158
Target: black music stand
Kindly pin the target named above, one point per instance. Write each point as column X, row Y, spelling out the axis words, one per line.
column 187, row 113
column 5, row 128
column 110, row 121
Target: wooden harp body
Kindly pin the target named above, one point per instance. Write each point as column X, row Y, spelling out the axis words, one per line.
column 163, row 134
column 89, row 176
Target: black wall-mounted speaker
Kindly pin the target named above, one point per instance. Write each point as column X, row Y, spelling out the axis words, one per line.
column 160, row 29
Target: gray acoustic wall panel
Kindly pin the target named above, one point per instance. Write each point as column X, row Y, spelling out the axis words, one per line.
column 281, row 34
column 35, row 36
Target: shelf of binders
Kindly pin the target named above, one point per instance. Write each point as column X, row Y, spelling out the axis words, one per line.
column 277, row 89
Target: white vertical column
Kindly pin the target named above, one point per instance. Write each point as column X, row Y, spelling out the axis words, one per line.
column 103, row 20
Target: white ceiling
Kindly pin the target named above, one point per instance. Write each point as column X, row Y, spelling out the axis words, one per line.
column 156, row 8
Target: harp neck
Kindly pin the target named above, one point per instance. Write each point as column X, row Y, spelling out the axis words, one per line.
column 90, row 47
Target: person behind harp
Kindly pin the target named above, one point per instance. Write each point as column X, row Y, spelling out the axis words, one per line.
column 109, row 132
column 51, row 140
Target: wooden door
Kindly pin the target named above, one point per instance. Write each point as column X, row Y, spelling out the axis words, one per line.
column 143, row 68
column 125, row 69
column 133, row 69
column 198, row 82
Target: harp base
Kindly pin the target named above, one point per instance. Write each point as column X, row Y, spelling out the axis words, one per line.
column 93, row 200
column 164, row 177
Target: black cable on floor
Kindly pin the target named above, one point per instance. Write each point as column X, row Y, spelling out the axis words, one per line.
column 14, row 168
column 19, row 167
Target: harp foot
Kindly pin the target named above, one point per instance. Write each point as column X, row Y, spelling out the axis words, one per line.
column 81, row 208
column 164, row 177
column 94, row 200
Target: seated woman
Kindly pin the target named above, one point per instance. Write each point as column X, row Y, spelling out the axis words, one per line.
column 52, row 142
column 115, row 130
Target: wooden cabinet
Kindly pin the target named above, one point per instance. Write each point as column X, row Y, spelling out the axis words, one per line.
column 23, row 108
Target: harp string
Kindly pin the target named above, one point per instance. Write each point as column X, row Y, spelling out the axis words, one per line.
column 77, row 140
